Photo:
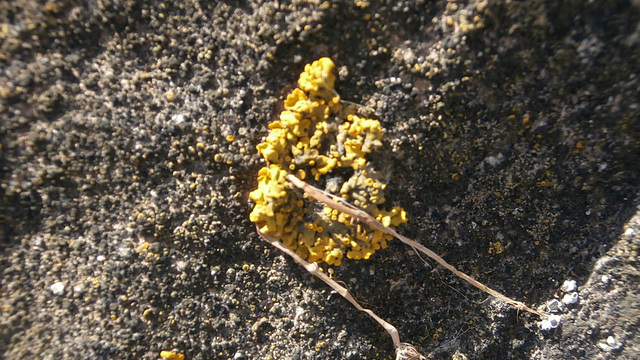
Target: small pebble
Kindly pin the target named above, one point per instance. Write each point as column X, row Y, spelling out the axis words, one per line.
column 57, row 288
column 611, row 344
column 569, row 286
column 550, row 323
column 605, row 279
column 570, row 299
column 555, row 306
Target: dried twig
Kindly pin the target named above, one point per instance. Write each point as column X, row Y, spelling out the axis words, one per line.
column 404, row 351
column 361, row 216
column 313, row 269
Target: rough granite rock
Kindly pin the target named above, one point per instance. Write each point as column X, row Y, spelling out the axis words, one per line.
column 127, row 153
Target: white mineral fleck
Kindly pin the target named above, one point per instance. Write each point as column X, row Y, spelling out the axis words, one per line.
column 570, row 299
column 569, row 286
column 57, row 288
column 550, row 323
column 611, row 344
column 555, row 306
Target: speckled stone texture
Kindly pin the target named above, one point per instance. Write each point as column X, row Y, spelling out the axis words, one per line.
column 127, row 153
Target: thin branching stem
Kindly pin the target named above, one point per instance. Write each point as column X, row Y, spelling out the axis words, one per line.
column 314, row 270
column 404, row 351
column 361, row 216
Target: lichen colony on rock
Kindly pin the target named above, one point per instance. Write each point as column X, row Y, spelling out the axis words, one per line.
column 319, row 138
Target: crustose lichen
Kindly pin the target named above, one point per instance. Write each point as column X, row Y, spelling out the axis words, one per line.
column 316, row 136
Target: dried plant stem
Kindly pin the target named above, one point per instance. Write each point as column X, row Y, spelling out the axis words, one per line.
column 313, row 269
column 404, row 351
column 361, row 216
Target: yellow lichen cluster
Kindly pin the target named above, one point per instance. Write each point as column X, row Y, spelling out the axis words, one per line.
column 171, row 355
column 318, row 138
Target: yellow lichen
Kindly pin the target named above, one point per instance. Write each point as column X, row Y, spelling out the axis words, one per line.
column 318, row 79
column 317, row 134
column 170, row 355
column 496, row 247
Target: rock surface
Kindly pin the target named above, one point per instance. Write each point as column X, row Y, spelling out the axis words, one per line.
column 127, row 153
